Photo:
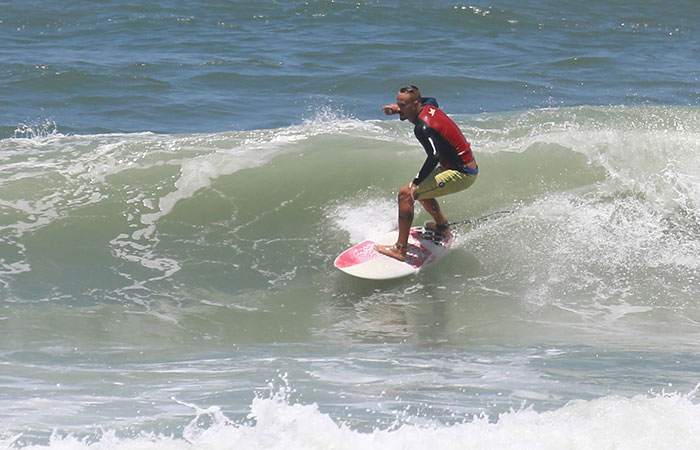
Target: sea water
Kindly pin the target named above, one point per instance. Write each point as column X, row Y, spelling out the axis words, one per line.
column 176, row 180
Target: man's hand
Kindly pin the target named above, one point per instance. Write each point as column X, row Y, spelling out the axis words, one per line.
column 413, row 188
column 390, row 109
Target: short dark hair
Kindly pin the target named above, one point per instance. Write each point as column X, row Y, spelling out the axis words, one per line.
column 413, row 90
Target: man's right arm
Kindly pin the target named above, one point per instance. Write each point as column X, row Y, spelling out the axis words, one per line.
column 394, row 108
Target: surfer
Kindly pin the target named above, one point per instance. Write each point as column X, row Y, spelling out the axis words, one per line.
column 445, row 145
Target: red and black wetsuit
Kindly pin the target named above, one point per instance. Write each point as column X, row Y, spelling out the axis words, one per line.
column 443, row 142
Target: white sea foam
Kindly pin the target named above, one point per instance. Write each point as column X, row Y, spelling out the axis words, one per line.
column 660, row 421
column 364, row 218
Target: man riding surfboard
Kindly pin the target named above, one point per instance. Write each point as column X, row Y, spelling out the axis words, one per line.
column 448, row 168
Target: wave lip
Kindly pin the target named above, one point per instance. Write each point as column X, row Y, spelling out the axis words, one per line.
column 598, row 191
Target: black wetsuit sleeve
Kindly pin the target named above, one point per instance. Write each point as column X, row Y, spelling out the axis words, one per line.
column 429, row 101
column 433, row 157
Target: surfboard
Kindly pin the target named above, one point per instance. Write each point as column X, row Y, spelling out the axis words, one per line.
column 363, row 261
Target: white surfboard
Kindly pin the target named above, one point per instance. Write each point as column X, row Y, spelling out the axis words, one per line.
column 363, row 261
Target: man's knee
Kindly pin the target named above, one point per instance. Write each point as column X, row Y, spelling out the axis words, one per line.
column 405, row 195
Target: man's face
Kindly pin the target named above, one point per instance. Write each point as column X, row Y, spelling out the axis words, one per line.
column 408, row 106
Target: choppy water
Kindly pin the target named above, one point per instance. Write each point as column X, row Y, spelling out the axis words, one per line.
column 175, row 182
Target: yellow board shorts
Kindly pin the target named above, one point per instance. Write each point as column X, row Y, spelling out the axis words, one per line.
column 443, row 181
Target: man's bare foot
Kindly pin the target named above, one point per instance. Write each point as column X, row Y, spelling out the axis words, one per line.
column 440, row 230
column 395, row 251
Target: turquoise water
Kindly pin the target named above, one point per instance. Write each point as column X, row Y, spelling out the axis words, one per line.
column 175, row 182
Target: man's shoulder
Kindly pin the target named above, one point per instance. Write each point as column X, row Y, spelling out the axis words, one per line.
column 431, row 114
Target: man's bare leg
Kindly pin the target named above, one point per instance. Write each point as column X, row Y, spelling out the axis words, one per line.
column 406, row 204
column 431, row 205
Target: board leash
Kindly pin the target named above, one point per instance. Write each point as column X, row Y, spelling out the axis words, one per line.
column 487, row 217
column 438, row 239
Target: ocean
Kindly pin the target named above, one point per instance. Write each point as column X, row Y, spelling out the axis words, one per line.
column 176, row 179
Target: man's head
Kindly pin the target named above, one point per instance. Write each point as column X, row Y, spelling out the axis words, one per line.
column 408, row 100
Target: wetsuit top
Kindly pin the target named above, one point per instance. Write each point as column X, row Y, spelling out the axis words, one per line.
column 443, row 142
column 429, row 101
